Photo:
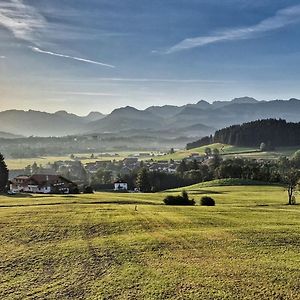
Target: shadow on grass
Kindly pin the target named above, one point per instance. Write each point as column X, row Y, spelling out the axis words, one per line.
column 201, row 192
column 118, row 202
column 19, row 196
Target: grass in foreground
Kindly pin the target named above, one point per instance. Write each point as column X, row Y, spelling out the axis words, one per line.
column 99, row 247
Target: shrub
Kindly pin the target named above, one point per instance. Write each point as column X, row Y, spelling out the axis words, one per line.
column 179, row 200
column 207, row 201
column 88, row 190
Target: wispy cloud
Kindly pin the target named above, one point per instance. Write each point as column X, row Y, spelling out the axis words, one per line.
column 38, row 50
column 21, row 19
column 2, row 57
column 28, row 24
column 156, row 80
column 282, row 18
column 92, row 94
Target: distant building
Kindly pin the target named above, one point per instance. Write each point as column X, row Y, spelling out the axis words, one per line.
column 130, row 161
column 120, row 186
column 195, row 154
column 43, row 184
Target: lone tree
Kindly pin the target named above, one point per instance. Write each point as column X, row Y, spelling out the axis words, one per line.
column 207, row 151
column 291, row 180
column 3, row 174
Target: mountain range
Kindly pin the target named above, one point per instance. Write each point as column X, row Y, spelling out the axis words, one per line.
column 191, row 120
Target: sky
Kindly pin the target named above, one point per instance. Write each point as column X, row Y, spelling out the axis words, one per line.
column 97, row 55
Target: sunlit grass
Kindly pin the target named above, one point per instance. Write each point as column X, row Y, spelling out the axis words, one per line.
column 99, row 247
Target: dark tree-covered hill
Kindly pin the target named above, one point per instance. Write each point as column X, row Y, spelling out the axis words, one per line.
column 272, row 132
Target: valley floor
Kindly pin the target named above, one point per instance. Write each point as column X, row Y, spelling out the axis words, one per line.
column 98, row 247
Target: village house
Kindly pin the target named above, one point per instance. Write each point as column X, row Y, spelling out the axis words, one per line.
column 43, row 184
column 93, row 167
column 120, row 186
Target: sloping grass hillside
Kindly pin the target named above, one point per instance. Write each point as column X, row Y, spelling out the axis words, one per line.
column 131, row 246
column 224, row 149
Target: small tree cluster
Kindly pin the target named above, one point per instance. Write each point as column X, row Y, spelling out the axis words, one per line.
column 179, row 200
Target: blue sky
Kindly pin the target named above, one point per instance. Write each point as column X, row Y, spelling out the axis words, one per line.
column 83, row 55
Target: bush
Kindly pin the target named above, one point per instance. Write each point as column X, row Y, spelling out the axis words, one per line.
column 88, row 190
column 179, row 200
column 207, row 201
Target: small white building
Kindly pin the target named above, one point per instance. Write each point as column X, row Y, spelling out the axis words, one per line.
column 121, row 186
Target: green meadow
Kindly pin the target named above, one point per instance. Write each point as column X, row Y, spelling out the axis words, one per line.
column 131, row 246
column 228, row 151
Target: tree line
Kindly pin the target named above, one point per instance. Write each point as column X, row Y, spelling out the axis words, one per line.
column 284, row 171
column 272, row 132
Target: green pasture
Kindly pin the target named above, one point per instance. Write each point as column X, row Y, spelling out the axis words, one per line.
column 131, row 246
column 229, row 151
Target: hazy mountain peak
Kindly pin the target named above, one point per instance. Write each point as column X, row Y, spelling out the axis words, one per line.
column 62, row 113
column 126, row 109
column 294, row 100
column 94, row 116
column 203, row 104
column 242, row 100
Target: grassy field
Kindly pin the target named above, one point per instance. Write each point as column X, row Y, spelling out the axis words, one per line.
column 229, row 151
column 178, row 155
column 98, row 247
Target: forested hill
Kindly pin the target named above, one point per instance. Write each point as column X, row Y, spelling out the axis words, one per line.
column 272, row 132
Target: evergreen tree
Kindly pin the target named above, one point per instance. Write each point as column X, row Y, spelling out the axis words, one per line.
column 3, row 174
column 143, row 181
column 182, row 167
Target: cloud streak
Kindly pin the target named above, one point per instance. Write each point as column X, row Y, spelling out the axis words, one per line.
column 27, row 24
column 282, row 18
column 22, row 20
column 156, row 80
column 91, row 94
column 2, row 57
column 38, row 50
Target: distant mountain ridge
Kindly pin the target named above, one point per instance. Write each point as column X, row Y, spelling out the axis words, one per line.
column 39, row 123
column 190, row 120
column 7, row 135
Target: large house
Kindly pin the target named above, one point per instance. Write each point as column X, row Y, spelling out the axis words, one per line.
column 43, row 184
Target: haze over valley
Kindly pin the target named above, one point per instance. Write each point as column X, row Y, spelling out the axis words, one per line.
column 168, row 121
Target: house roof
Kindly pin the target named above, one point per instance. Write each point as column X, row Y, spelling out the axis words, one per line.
column 120, row 181
column 45, row 178
column 42, row 179
column 23, row 177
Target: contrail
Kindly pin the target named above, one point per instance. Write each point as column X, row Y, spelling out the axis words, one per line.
column 283, row 18
column 36, row 49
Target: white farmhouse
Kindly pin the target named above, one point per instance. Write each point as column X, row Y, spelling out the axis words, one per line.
column 121, row 186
